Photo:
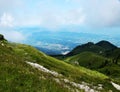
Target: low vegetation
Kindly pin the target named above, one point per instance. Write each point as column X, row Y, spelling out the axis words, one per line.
column 106, row 62
column 18, row 76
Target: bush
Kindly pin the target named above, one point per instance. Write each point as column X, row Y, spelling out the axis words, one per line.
column 1, row 37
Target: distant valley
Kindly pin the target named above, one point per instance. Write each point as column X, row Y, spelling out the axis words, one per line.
column 59, row 42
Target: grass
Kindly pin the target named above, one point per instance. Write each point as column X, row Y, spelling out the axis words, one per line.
column 16, row 75
column 96, row 62
column 77, row 74
column 112, row 70
column 88, row 59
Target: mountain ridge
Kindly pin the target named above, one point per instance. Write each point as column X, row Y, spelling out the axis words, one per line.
column 99, row 48
column 106, row 44
column 102, row 56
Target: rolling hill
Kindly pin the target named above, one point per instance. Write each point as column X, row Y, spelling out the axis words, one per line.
column 88, row 59
column 99, row 48
column 24, row 68
column 93, row 61
column 102, row 56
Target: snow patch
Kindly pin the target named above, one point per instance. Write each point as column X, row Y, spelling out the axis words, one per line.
column 84, row 86
column 39, row 67
column 116, row 85
column 64, row 53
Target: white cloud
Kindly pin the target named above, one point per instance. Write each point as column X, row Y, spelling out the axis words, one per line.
column 7, row 29
column 52, row 46
column 71, row 17
column 13, row 36
column 10, row 5
column 55, row 14
column 6, row 20
column 101, row 12
column 110, row 13
column 64, row 53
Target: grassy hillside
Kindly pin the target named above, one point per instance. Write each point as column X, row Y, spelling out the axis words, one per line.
column 102, row 56
column 88, row 59
column 93, row 61
column 17, row 76
column 61, row 67
column 114, row 55
column 111, row 70
column 91, row 47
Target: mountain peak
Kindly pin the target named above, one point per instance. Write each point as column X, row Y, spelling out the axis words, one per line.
column 99, row 47
column 106, row 44
column 104, row 41
column 89, row 44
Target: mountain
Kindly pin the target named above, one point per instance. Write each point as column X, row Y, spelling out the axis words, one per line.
column 25, row 69
column 99, row 48
column 46, row 39
column 106, row 45
column 102, row 56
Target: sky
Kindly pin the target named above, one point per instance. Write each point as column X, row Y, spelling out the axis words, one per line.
column 89, row 16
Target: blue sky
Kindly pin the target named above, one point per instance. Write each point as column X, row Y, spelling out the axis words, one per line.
column 89, row 16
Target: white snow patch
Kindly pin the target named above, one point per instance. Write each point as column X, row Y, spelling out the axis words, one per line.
column 84, row 86
column 64, row 53
column 116, row 85
column 39, row 67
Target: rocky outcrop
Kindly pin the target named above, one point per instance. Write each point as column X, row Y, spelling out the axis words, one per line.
column 1, row 37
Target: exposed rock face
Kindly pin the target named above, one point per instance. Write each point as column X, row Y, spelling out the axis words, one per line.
column 1, row 37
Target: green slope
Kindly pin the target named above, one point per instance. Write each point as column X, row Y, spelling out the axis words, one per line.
column 111, row 70
column 91, row 47
column 61, row 67
column 114, row 55
column 88, row 59
column 16, row 75
column 96, row 62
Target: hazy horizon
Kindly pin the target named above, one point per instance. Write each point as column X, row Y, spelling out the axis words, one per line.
column 79, row 21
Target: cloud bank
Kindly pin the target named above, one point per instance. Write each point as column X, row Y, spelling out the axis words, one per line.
column 103, row 12
column 52, row 46
column 52, row 13
column 7, row 29
column 57, row 14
